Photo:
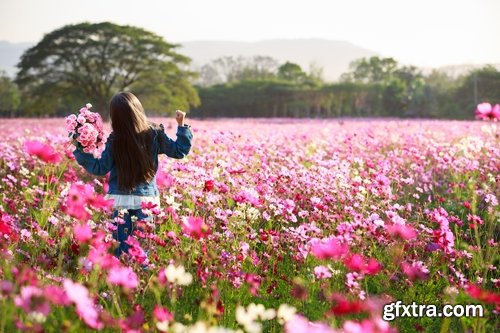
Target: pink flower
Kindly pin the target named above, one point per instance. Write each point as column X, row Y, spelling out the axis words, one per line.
column 56, row 295
column 85, row 308
column 162, row 314
column 32, row 300
column 299, row 324
column 82, row 232
column 195, row 227
column 76, row 201
column 485, row 111
column 99, row 202
column 372, row 325
column 136, row 251
column 329, row 249
column 322, row 272
column 44, row 152
column 71, row 123
column 80, row 196
column 404, row 231
column 415, row 271
column 123, row 276
column 358, row 263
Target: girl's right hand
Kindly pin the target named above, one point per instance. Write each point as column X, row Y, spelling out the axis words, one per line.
column 179, row 116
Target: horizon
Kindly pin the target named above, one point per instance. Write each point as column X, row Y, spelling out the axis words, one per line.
column 424, row 34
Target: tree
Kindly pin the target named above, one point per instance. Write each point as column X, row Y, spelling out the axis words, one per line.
column 230, row 69
column 91, row 62
column 9, row 95
column 372, row 70
column 291, row 72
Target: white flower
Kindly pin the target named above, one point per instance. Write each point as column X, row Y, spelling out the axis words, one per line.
column 179, row 328
column 88, row 105
column 170, row 200
column 248, row 317
column 178, row 275
column 162, row 326
column 243, row 317
column 285, row 313
column 37, row 317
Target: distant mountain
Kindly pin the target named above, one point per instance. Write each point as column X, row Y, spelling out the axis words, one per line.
column 457, row 70
column 10, row 53
column 333, row 56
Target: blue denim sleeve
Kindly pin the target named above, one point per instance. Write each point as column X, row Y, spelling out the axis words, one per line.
column 96, row 166
column 179, row 148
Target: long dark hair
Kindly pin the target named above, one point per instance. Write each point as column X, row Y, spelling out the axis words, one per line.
column 132, row 141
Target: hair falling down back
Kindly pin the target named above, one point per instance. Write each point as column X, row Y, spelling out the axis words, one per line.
column 132, row 141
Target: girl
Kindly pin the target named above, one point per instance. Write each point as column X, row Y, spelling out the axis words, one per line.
column 131, row 158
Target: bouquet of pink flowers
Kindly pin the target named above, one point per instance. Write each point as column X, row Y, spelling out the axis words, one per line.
column 86, row 129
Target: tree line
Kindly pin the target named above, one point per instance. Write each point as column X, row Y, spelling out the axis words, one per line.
column 87, row 62
column 373, row 87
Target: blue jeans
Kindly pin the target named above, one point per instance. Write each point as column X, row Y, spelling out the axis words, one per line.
column 126, row 229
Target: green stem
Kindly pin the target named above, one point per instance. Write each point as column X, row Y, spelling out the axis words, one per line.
column 446, row 325
column 117, row 304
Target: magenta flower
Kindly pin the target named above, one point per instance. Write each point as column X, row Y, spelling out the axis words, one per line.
column 403, row 231
column 76, row 202
column 80, row 196
column 82, row 232
column 162, row 314
column 44, row 152
column 99, row 202
column 123, row 276
column 358, row 263
column 329, row 249
column 485, row 111
column 195, row 227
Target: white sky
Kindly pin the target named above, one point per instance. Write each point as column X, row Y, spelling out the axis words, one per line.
column 419, row 32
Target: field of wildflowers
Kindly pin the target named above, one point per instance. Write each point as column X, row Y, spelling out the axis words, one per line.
column 267, row 226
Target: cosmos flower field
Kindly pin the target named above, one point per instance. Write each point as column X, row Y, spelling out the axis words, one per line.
column 266, row 226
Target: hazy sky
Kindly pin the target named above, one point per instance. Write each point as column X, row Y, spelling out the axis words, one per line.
column 419, row 32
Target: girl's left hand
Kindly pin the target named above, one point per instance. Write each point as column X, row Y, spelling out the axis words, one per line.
column 179, row 116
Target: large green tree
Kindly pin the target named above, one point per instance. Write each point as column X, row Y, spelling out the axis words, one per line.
column 91, row 62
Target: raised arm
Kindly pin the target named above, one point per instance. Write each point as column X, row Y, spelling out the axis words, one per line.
column 96, row 166
column 179, row 148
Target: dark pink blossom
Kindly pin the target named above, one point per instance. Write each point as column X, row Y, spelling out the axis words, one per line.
column 195, row 227
column 43, row 151
column 330, row 248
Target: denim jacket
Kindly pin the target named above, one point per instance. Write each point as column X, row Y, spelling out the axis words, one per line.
column 162, row 144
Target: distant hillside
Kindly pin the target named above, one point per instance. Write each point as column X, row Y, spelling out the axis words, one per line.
column 333, row 56
column 10, row 53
